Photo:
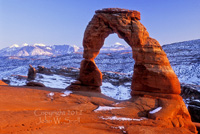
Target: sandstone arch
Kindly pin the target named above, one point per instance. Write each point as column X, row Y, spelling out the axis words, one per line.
column 152, row 70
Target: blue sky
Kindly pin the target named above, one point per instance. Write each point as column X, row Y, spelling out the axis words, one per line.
column 64, row 21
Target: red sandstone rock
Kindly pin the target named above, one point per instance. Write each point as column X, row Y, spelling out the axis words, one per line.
column 152, row 70
column 76, row 87
column 154, row 83
column 128, row 13
column 31, row 106
column 197, row 126
column 89, row 73
column 2, row 83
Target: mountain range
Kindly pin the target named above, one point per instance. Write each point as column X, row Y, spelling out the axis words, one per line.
column 38, row 49
column 54, row 50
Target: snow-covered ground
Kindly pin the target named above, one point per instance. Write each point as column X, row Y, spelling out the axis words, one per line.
column 59, row 81
column 54, row 81
column 117, row 92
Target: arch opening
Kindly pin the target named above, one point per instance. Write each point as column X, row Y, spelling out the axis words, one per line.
column 116, row 65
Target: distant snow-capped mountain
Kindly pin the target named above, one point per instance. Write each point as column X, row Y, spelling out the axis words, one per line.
column 38, row 49
column 117, row 47
column 55, row 50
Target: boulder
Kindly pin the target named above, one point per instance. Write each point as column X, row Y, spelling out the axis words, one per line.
column 31, row 73
column 35, row 84
column 89, row 73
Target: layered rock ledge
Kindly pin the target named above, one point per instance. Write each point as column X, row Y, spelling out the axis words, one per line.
column 45, row 110
column 133, row 14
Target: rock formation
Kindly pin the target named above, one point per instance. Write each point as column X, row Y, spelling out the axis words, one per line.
column 153, row 76
column 152, row 70
column 31, row 73
column 2, row 83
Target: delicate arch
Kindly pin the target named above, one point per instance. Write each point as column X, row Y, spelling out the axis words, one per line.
column 152, row 70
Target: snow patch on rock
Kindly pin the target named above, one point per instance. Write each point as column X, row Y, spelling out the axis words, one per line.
column 51, row 94
column 122, row 118
column 66, row 93
column 53, row 81
column 105, row 108
column 118, row 127
column 155, row 110
column 118, row 92
column 14, row 45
